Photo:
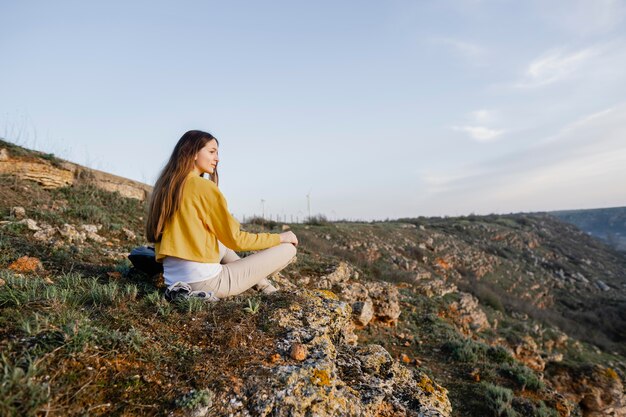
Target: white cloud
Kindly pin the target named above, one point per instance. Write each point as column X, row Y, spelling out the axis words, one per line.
column 480, row 133
column 555, row 66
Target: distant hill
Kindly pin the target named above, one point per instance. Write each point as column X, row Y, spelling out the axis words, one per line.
column 607, row 224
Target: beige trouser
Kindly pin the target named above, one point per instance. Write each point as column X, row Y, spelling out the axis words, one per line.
column 239, row 274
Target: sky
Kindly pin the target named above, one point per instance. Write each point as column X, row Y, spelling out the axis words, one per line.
column 374, row 109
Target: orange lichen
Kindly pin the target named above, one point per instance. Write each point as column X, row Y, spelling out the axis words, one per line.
column 427, row 385
column 275, row 358
column 26, row 264
column 320, row 377
column 443, row 264
column 610, row 373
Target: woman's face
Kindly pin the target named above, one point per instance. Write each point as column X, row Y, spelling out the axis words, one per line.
column 207, row 158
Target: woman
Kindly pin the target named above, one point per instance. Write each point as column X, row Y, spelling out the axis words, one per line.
column 195, row 235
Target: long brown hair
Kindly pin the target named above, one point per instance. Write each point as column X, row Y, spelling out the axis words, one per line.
column 167, row 192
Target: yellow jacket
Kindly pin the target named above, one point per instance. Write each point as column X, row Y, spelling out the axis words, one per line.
column 201, row 220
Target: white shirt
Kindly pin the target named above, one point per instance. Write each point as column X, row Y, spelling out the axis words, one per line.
column 177, row 269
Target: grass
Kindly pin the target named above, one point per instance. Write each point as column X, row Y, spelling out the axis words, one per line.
column 84, row 340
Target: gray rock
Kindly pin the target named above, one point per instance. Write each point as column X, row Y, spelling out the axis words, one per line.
column 338, row 378
column 362, row 312
column 386, row 300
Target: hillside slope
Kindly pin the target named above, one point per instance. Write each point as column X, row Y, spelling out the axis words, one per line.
column 491, row 315
column 607, row 224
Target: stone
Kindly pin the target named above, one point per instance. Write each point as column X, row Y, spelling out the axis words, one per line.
column 18, row 212
column 130, row 235
column 362, row 312
column 354, row 291
column 341, row 274
column 72, row 235
column 298, row 352
column 46, row 233
column 30, row 224
column 435, row 288
column 89, row 228
column 386, row 300
column 422, row 274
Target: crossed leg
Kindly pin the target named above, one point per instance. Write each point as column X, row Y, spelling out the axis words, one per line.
column 239, row 274
column 228, row 255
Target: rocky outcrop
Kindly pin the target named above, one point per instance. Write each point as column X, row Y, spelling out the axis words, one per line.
column 58, row 173
column 467, row 314
column 386, row 300
column 370, row 301
column 435, row 287
column 528, row 353
column 599, row 391
column 340, row 275
column 335, row 377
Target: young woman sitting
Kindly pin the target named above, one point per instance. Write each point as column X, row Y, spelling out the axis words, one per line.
column 194, row 234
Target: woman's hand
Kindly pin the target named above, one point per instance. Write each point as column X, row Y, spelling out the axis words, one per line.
column 289, row 237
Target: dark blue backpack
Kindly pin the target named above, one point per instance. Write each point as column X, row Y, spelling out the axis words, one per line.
column 144, row 259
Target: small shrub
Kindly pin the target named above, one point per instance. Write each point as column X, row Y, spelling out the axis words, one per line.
column 261, row 221
column 465, row 350
column 132, row 339
column 317, row 220
column 20, row 392
column 499, row 354
column 90, row 214
column 79, row 334
column 195, row 399
column 14, row 228
column 498, row 400
column 543, row 411
column 522, row 375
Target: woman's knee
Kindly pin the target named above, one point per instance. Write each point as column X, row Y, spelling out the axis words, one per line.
column 290, row 249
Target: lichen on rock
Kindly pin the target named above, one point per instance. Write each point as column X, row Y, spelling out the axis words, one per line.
column 338, row 377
